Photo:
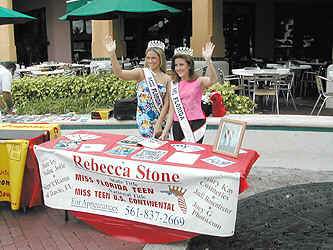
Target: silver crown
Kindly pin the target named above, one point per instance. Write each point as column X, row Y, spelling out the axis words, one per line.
column 183, row 51
column 156, row 44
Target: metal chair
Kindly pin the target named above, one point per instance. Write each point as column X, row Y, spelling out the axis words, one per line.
column 323, row 96
column 286, row 88
column 267, row 85
column 308, row 82
column 200, row 67
column 233, row 79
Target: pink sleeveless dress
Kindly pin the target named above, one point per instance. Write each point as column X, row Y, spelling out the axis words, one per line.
column 190, row 95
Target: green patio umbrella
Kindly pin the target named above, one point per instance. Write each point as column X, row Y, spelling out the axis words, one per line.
column 8, row 16
column 111, row 9
column 74, row 4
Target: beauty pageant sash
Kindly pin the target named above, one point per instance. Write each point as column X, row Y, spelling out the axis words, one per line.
column 153, row 90
column 183, row 121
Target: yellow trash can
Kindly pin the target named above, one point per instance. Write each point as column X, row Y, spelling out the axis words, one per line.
column 13, row 155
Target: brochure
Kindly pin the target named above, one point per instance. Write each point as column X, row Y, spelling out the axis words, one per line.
column 187, row 147
column 123, row 150
column 148, row 154
column 183, row 158
column 218, row 161
column 92, row 147
column 132, row 140
column 67, row 144
column 82, row 137
column 152, row 143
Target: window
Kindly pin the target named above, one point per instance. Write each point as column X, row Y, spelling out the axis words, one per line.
column 81, row 40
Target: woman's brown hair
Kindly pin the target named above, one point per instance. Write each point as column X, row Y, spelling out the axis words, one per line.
column 189, row 60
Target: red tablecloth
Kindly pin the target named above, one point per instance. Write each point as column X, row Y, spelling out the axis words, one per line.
column 31, row 188
column 31, row 194
column 35, row 133
column 141, row 232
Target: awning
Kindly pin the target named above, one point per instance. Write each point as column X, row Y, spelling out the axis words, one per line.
column 74, row 4
column 8, row 16
column 111, row 9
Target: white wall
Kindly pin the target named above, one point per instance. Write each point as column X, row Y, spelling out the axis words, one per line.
column 58, row 32
column 329, row 85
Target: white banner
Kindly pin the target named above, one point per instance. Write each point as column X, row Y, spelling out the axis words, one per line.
column 188, row 199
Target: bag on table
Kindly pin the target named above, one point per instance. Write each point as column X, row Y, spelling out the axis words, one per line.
column 125, row 109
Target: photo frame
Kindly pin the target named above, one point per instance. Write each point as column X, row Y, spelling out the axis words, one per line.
column 229, row 137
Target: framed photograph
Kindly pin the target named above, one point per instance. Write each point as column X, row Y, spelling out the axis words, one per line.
column 229, row 137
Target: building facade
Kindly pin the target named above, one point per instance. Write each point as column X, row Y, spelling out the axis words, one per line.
column 240, row 29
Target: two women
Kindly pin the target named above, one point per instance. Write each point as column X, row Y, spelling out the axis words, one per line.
column 157, row 94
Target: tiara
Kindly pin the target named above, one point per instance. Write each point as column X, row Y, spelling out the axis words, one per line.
column 184, row 51
column 156, row 44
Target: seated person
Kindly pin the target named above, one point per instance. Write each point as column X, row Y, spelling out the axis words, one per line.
column 6, row 78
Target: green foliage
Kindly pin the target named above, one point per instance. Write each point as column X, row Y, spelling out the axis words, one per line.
column 82, row 94
column 234, row 104
column 62, row 94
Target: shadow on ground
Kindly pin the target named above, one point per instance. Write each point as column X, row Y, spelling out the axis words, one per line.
column 293, row 217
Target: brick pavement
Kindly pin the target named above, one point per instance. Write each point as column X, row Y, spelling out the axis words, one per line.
column 46, row 228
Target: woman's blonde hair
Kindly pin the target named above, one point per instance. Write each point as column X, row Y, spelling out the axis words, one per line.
column 189, row 60
column 161, row 55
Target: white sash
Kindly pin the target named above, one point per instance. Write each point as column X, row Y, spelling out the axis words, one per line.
column 180, row 112
column 199, row 133
column 153, row 90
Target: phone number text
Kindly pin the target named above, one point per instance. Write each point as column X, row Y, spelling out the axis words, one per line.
column 152, row 215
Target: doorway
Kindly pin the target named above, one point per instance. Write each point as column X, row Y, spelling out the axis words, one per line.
column 31, row 39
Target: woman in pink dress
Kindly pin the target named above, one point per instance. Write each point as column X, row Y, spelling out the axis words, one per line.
column 186, row 88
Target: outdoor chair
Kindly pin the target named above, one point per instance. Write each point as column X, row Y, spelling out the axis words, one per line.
column 222, row 69
column 200, row 67
column 266, row 85
column 323, row 96
column 308, row 82
column 233, row 79
column 286, row 88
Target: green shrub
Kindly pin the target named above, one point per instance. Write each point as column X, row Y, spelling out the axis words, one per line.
column 82, row 94
column 234, row 104
column 58, row 94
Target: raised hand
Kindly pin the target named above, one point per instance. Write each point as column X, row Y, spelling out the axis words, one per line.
column 207, row 51
column 110, row 44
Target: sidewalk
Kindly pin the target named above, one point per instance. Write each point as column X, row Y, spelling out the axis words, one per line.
column 46, row 228
column 292, row 217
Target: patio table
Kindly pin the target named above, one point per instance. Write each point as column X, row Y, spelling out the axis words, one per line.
column 248, row 74
column 252, row 72
column 49, row 72
column 291, row 67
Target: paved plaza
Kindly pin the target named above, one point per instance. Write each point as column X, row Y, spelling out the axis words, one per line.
column 46, row 228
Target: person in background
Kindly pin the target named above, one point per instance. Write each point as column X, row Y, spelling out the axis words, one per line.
column 6, row 78
column 186, row 88
column 152, row 83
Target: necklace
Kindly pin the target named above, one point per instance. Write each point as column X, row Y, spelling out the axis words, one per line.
column 155, row 73
column 158, row 76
